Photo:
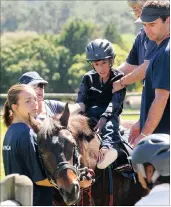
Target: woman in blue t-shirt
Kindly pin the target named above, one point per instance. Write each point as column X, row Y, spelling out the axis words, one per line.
column 19, row 146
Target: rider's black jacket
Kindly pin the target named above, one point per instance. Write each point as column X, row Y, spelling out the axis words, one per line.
column 92, row 93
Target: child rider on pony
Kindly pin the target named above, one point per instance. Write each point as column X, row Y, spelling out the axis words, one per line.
column 96, row 100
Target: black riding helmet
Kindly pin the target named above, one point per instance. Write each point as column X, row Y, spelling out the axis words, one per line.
column 99, row 49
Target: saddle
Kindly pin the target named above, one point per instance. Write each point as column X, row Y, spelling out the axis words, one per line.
column 122, row 164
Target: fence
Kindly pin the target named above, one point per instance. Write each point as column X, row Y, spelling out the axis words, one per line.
column 16, row 190
column 132, row 100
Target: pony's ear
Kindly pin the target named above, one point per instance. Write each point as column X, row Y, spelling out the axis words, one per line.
column 65, row 116
column 34, row 124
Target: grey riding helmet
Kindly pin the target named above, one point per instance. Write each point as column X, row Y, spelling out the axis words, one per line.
column 154, row 149
column 99, row 49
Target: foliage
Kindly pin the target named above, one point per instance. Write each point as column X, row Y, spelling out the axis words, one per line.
column 77, row 70
column 49, row 16
column 111, row 34
column 120, row 55
column 76, row 35
column 128, row 40
column 26, row 51
column 39, row 55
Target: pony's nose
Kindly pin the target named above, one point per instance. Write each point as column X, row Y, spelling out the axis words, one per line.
column 71, row 195
column 74, row 189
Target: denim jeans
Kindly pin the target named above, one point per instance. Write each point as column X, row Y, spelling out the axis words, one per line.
column 110, row 132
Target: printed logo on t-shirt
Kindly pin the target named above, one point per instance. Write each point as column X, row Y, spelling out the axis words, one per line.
column 143, row 82
column 6, row 147
column 145, row 45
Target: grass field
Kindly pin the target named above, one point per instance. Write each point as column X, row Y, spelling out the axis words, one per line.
column 3, row 130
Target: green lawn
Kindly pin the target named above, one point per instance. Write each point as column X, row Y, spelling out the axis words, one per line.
column 3, row 130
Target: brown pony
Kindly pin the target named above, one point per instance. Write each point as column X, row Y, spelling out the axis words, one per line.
column 67, row 144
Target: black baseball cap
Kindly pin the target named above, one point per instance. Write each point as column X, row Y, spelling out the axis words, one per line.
column 151, row 14
column 31, row 78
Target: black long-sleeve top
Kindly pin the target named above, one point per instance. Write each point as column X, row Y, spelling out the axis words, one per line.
column 92, row 93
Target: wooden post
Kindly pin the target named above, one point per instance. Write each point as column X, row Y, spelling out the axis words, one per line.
column 18, row 188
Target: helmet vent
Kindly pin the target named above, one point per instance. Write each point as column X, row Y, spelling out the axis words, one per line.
column 141, row 143
column 156, row 141
column 162, row 151
column 92, row 45
column 100, row 46
column 107, row 45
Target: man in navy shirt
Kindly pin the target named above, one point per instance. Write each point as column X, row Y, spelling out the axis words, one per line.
column 138, row 59
column 142, row 49
column 155, row 105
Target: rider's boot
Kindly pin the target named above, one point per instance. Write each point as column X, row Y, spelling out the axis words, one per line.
column 109, row 157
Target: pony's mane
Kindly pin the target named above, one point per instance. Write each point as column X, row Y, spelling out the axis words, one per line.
column 83, row 134
column 80, row 128
column 86, row 139
column 50, row 126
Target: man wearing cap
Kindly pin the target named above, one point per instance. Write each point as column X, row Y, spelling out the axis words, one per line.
column 155, row 104
column 141, row 52
column 138, row 59
column 45, row 107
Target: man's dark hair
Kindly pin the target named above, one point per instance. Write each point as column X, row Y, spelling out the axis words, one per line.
column 165, row 4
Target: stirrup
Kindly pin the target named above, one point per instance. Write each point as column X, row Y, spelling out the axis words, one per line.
column 110, row 156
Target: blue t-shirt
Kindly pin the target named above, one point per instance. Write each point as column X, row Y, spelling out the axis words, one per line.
column 142, row 49
column 20, row 155
column 157, row 77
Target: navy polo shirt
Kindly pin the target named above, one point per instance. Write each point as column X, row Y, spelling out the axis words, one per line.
column 157, row 77
column 142, row 49
column 20, row 156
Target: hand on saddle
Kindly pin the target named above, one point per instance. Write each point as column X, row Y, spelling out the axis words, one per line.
column 101, row 123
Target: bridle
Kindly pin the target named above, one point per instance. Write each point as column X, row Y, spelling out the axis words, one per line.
column 62, row 165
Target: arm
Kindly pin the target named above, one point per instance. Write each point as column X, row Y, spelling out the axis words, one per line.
column 160, row 79
column 115, row 106
column 82, row 96
column 126, row 68
column 155, row 113
column 137, row 74
column 132, row 60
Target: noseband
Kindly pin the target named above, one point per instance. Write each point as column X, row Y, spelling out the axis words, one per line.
column 62, row 165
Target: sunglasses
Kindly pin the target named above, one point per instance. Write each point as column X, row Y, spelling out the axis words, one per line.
column 40, row 85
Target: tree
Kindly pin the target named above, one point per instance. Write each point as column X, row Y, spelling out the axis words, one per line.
column 111, row 34
column 76, row 35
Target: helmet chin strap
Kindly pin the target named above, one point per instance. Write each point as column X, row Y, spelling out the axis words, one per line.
column 155, row 176
column 111, row 61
